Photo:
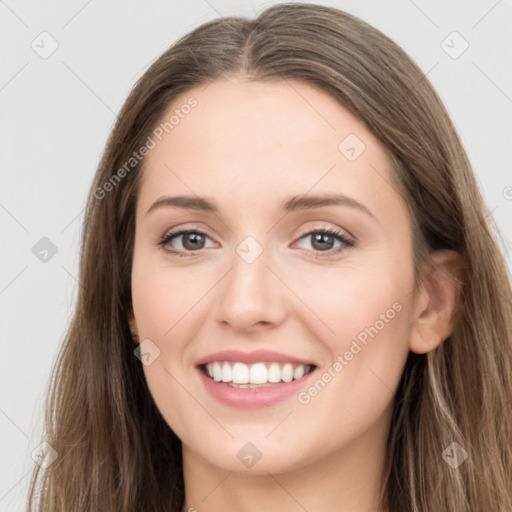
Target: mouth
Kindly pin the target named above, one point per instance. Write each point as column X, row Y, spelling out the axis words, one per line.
column 252, row 380
column 240, row 375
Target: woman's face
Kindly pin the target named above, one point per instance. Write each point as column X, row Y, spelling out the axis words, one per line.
column 256, row 291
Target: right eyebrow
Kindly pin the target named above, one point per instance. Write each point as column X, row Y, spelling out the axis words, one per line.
column 188, row 202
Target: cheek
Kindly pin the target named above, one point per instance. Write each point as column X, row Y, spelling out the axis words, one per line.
column 162, row 297
column 162, row 302
column 362, row 318
column 343, row 304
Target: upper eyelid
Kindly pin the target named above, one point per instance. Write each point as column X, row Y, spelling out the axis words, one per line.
column 171, row 234
column 202, row 231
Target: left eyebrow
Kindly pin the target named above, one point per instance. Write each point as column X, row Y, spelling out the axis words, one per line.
column 291, row 204
column 327, row 199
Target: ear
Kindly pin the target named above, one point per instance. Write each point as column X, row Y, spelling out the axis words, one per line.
column 439, row 302
column 130, row 317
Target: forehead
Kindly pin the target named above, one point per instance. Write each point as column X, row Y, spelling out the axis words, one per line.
column 251, row 116
column 246, row 137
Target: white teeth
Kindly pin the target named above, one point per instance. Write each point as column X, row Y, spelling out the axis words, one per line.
column 240, row 373
column 244, row 375
column 216, row 370
column 298, row 372
column 227, row 375
column 274, row 373
column 287, row 373
column 258, row 374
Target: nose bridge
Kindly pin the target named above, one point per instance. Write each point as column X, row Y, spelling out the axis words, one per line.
column 249, row 279
column 248, row 296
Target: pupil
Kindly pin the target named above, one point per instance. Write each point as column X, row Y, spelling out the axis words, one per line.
column 195, row 237
column 320, row 238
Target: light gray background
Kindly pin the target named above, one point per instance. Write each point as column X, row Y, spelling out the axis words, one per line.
column 57, row 113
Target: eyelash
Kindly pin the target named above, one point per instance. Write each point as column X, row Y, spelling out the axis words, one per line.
column 347, row 242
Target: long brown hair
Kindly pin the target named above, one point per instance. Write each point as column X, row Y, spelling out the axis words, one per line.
column 116, row 452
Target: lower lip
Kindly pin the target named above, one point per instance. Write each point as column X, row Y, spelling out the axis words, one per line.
column 253, row 398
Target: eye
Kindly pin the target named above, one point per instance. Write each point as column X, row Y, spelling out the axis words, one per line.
column 322, row 241
column 192, row 240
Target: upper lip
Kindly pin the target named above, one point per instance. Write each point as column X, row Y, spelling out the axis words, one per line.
column 256, row 356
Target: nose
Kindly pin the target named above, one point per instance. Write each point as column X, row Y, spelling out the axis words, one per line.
column 251, row 297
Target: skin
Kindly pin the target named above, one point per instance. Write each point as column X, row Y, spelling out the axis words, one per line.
column 247, row 146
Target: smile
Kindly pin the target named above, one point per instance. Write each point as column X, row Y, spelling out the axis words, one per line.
column 252, row 380
column 241, row 375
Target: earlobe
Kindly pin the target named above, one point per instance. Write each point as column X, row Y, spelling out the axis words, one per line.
column 130, row 317
column 439, row 302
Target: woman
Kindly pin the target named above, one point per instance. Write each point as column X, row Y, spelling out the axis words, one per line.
column 290, row 296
